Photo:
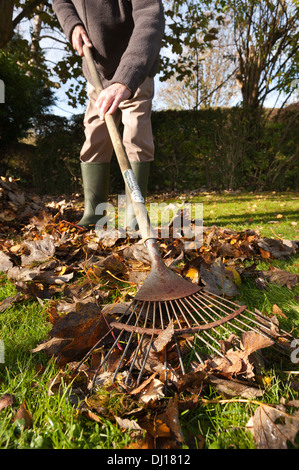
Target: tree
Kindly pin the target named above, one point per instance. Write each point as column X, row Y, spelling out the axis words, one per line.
column 46, row 36
column 212, row 82
column 266, row 43
column 266, row 37
column 191, row 26
column 26, row 98
column 8, row 23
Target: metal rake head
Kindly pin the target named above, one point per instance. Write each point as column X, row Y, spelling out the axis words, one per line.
column 176, row 336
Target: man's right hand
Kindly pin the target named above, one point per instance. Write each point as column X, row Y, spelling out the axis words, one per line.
column 79, row 37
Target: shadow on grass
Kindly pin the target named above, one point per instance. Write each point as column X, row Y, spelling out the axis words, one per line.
column 254, row 217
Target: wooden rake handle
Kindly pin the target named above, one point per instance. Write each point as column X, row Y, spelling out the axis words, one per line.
column 140, row 211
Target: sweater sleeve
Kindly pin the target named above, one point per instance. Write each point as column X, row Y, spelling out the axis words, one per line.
column 144, row 45
column 67, row 16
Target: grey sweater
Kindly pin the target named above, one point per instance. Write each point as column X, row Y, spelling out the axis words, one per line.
column 126, row 35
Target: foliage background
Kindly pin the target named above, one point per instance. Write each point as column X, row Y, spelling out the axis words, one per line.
column 209, row 148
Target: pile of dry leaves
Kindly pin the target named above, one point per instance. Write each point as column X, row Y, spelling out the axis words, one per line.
column 80, row 275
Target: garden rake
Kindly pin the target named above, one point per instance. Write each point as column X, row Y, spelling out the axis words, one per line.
column 166, row 305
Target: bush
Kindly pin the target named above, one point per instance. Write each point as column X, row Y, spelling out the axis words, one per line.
column 216, row 149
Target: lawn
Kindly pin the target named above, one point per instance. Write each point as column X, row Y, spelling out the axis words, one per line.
column 38, row 418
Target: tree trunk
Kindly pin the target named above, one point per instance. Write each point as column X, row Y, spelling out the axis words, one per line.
column 6, row 24
column 35, row 47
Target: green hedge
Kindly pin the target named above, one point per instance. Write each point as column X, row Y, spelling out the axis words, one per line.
column 225, row 149
column 214, row 149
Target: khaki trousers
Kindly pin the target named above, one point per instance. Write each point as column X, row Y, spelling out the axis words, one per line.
column 135, row 115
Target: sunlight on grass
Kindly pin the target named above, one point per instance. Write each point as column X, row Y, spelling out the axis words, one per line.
column 275, row 215
column 57, row 424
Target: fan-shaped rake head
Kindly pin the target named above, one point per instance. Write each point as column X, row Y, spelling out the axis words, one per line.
column 176, row 336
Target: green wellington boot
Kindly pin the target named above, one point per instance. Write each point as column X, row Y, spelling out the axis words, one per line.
column 141, row 171
column 96, row 178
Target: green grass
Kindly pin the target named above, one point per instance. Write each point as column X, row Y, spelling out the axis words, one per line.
column 273, row 214
column 57, row 424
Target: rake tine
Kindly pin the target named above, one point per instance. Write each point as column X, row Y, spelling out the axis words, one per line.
column 150, row 342
column 176, row 342
column 253, row 320
column 219, row 305
column 114, row 344
column 106, row 358
column 165, row 353
column 261, row 326
column 191, row 346
column 95, row 346
column 205, row 310
column 139, row 344
column 128, row 344
column 197, row 334
column 220, row 316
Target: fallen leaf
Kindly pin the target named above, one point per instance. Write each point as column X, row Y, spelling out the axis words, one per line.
column 40, row 250
column 128, row 424
column 277, row 311
column 230, row 388
column 6, row 400
column 278, row 249
column 193, row 274
column 273, row 428
column 9, row 301
column 283, row 278
column 252, row 342
column 5, row 262
column 154, row 391
column 23, row 417
column 53, row 346
column 217, row 281
column 173, row 420
column 164, row 338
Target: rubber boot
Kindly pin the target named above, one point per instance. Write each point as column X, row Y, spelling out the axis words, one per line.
column 141, row 171
column 96, row 178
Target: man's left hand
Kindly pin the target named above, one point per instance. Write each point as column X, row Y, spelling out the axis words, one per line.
column 110, row 98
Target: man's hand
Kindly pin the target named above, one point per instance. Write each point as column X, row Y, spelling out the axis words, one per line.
column 110, row 98
column 79, row 37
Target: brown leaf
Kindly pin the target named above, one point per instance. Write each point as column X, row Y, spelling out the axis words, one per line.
column 283, row 278
column 217, row 281
column 138, row 277
column 23, row 414
column 40, row 250
column 273, row 428
column 265, row 254
column 164, row 338
column 53, row 346
column 156, row 427
column 173, row 421
column 114, row 263
column 232, row 364
column 253, row 341
column 128, row 424
column 82, row 329
column 139, row 252
column 279, row 249
column 6, row 400
column 9, row 301
column 154, row 391
column 192, row 380
column 277, row 311
column 231, row 388
column 5, row 262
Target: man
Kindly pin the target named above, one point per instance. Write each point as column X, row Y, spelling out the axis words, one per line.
column 126, row 37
